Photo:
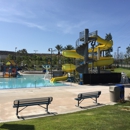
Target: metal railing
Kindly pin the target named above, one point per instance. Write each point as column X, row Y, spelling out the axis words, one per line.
column 95, row 33
column 81, row 36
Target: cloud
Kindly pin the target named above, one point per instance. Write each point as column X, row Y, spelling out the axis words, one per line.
column 28, row 24
column 13, row 13
column 68, row 27
column 58, row 16
column 33, row 25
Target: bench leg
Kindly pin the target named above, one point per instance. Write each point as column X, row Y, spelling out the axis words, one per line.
column 95, row 101
column 17, row 112
column 79, row 103
column 47, row 108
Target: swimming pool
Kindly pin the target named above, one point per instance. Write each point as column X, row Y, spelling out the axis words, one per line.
column 27, row 81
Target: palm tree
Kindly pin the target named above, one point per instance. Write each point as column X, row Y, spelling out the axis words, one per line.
column 69, row 47
column 108, row 37
column 59, row 48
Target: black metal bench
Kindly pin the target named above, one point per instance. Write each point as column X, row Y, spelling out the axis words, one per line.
column 31, row 102
column 92, row 95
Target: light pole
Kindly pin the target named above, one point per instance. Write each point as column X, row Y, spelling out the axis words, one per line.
column 118, row 55
column 15, row 53
column 35, row 58
column 50, row 49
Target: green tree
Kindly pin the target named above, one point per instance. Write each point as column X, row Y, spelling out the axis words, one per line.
column 23, row 52
column 108, row 37
column 43, row 60
column 9, row 57
column 59, row 48
column 128, row 51
column 127, row 55
column 69, row 47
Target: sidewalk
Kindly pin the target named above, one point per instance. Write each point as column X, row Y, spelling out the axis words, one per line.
column 63, row 99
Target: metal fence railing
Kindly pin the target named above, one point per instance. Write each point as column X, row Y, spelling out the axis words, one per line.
column 80, row 40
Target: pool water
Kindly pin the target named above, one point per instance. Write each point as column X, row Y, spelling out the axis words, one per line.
column 27, row 81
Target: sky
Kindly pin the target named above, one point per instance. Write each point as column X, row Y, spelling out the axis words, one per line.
column 36, row 25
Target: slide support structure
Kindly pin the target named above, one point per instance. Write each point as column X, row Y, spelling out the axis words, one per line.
column 98, row 57
column 86, row 35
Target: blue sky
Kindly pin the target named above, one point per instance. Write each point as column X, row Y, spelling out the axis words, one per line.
column 42, row 24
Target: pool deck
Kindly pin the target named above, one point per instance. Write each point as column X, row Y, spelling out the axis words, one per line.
column 63, row 100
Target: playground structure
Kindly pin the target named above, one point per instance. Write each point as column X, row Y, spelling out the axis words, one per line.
column 91, row 56
column 10, row 70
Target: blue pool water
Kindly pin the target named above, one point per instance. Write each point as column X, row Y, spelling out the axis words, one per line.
column 27, row 81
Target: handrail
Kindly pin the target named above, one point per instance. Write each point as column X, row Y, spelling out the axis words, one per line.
column 81, row 36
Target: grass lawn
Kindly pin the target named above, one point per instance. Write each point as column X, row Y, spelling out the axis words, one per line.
column 126, row 71
column 112, row 117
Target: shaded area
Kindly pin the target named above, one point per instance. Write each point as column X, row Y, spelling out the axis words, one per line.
column 17, row 127
column 92, row 106
column 37, row 116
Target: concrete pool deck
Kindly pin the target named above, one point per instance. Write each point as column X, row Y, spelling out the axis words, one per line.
column 63, row 100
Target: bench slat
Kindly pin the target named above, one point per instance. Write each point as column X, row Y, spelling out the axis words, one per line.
column 89, row 94
column 32, row 101
column 93, row 95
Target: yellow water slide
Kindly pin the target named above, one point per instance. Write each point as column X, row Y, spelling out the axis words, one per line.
column 102, row 61
column 67, row 68
column 103, row 44
column 61, row 78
